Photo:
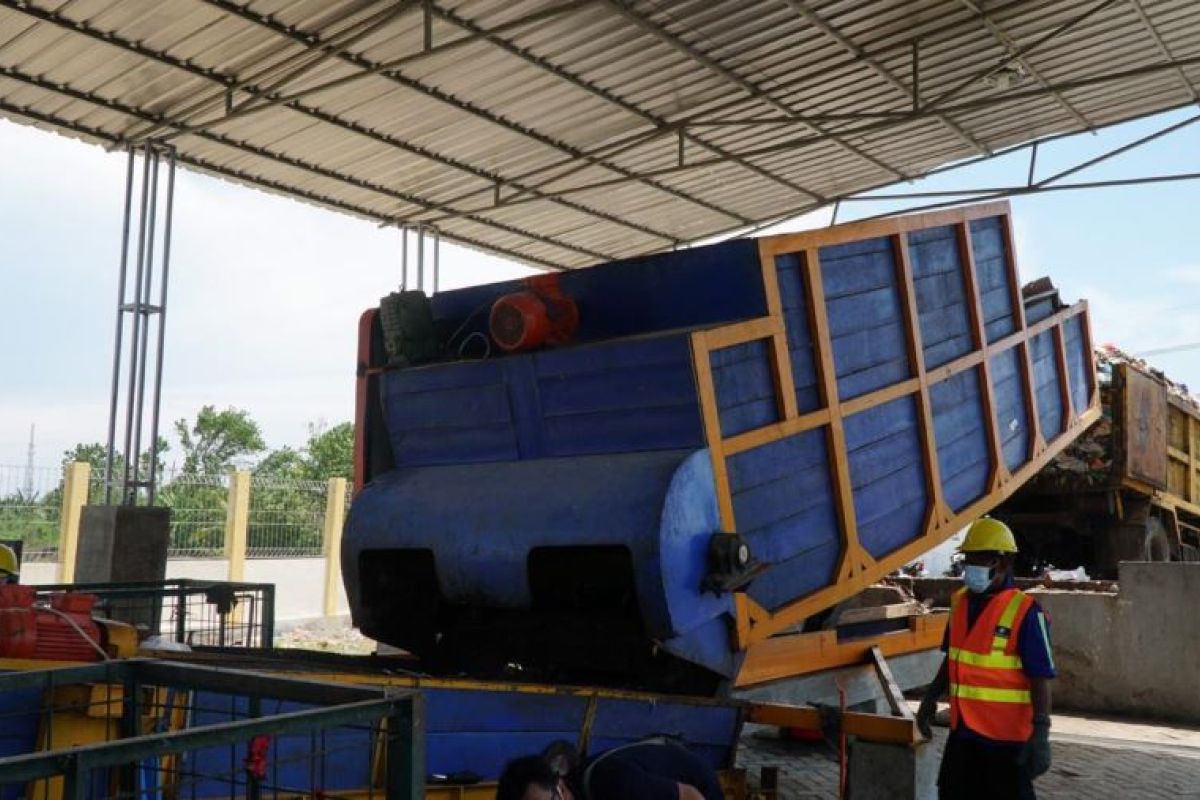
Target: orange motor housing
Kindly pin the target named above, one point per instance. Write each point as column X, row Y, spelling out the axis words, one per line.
column 34, row 633
column 539, row 315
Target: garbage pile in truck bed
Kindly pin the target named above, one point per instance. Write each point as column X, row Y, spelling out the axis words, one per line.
column 1088, row 460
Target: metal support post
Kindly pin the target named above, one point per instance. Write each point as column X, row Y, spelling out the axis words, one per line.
column 151, row 271
column 422, row 232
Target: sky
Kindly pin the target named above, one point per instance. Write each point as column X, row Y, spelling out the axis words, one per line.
column 266, row 291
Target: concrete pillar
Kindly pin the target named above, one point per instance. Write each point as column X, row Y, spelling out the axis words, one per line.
column 335, row 512
column 237, row 524
column 893, row 771
column 76, row 480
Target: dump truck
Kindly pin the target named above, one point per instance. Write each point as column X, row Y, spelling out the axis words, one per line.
column 1127, row 490
column 651, row 473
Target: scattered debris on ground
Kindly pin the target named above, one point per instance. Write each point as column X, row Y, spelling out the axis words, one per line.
column 329, row 634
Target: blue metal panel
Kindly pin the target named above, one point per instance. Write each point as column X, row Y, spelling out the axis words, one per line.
column 783, row 503
column 865, row 318
column 745, row 389
column 480, row 521
column 19, row 719
column 632, row 394
column 961, row 437
column 991, row 271
column 467, row 730
column 941, row 297
column 799, row 336
column 887, row 475
column 1008, row 393
column 699, row 286
column 1045, row 381
column 1079, row 363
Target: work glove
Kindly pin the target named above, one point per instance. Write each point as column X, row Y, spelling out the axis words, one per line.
column 926, row 712
column 1035, row 756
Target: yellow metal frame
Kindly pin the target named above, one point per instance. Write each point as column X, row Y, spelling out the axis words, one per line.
column 857, row 569
column 804, row 653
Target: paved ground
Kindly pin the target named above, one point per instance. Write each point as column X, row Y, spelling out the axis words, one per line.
column 1094, row 759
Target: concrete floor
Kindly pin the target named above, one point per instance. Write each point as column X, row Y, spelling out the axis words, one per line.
column 1094, row 759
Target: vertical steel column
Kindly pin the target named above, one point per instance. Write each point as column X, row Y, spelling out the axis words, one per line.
column 421, row 231
column 116, row 370
column 134, row 478
column 162, row 327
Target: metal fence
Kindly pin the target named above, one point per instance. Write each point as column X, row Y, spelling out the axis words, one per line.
column 196, row 613
column 287, row 518
column 151, row 729
column 30, row 506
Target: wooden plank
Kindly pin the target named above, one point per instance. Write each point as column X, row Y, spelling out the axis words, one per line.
column 1142, row 421
column 822, row 599
column 711, row 415
column 1036, row 440
column 1194, row 462
column 999, row 470
column 781, row 357
column 1064, row 373
column 916, row 354
column 805, row 653
column 773, row 433
column 868, row 727
column 1089, row 347
column 1014, row 273
column 742, row 332
column 880, row 396
column 851, row 563
column 855, row 616
column 1179, row 455
column 891, row 690
column 877, row 228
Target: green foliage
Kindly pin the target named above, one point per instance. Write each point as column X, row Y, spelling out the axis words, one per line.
column 217, row 440
column 287, row 498
column 329, row 453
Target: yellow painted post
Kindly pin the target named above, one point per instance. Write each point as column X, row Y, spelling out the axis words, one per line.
column 76, row 478
column 237, row 524
column 335, row 512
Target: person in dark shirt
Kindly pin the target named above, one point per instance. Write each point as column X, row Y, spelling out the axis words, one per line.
column 655, row 769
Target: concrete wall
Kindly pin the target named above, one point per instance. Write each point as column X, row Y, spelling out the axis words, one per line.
column 201, row 569
column 299, row 585
column 299, row 582
column 39, row 572
column 1136, row 651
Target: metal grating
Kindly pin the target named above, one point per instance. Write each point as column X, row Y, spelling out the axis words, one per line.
column 566, row 133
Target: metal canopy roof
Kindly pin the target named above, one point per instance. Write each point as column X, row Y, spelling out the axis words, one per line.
column 565, row 133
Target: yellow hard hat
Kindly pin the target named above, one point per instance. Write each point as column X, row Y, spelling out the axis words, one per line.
column 8, row 561
column 987, row 535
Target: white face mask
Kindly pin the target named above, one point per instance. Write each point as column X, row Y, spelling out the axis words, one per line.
column 977, row 579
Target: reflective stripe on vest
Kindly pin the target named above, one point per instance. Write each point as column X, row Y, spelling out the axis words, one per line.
column 989, row 691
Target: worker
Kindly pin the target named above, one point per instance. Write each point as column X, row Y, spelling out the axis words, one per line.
column 997, row 668
column 9, row 569
column 654, row 769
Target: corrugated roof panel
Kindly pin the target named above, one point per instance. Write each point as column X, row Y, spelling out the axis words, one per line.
column 570, row 95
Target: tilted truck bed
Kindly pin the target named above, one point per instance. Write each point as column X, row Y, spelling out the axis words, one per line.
column 838, row 400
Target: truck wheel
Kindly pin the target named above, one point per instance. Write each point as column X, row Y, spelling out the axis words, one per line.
column 1158, row 544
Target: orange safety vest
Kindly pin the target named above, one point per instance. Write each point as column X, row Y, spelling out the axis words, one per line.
column 989, row 691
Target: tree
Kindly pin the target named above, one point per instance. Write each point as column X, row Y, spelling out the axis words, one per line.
column 330, row 452
column 286, row 462
column 217, row 440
